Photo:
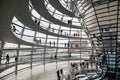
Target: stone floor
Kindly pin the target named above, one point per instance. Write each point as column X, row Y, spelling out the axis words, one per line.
column 37, row 72
column 42, row 73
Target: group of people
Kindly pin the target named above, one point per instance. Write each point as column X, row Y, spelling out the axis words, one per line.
column 61, row 31
column 62, row 76
column 55, row 57
column 8, row 58
column 37, row 22
column 52, row 30
column 76, row 35
column 73, row 71
column 59, row 74
column 65, row 33
column 40, row 41
column 37, row 41
column 52, row 43
column 74, row 65
column 84, row 65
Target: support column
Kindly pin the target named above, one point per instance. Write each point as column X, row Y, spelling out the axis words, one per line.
column 16, row 63
column 0, row 56
column 69, row 46
column 1, row 50
column 57, row 47
column 31, row 57
column 45, row 50
column 80, row 44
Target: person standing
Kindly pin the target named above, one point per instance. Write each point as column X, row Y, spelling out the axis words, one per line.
column 49, row 28
column 87, row 64
column 40, row 41
column 50, row 43
column 61, row 31
column 54, row 43
column 7, row 59
column 14, row 29
column 53, row 29
column 65, row 44
column 63, row 77
column 58, row 75
column 16, row 59
column 55, row 56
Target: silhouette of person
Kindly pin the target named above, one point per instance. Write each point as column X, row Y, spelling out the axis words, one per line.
column 61, row 71
column 83, row 64
column 65, row 44
column 55, row 56
column 39, row 23
column 16, row 59
column 50, row 43
column 80, row 65
column 69, row 21
column 54, row 43
column 87, row 64
column 58, row 75
column 35, row 21
column 52, row 29
column 49, row 28
column 40, row 40
column 14, row 29
column 7, row 59
column 61, row 31
column 74, row 34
